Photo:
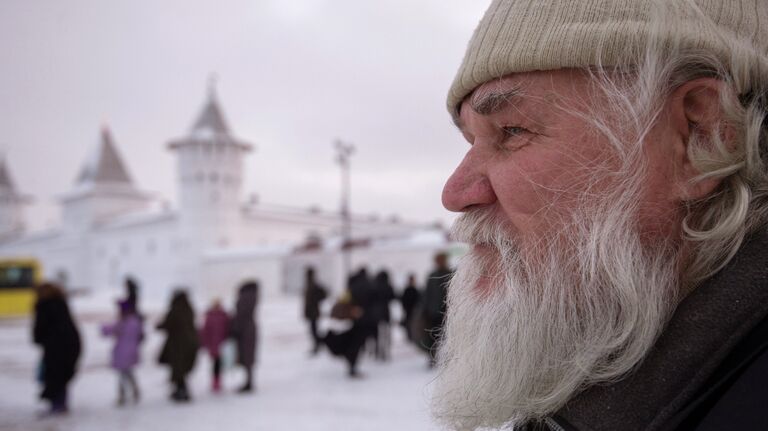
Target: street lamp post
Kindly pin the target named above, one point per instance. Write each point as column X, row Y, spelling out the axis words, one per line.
column 344, row 151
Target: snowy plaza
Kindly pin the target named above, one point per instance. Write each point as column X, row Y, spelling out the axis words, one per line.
column 295, row 391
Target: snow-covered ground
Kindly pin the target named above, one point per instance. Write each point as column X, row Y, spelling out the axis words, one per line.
column 295, row 391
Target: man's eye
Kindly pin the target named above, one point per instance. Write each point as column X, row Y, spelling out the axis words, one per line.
column 506, row 142
column 513, row 131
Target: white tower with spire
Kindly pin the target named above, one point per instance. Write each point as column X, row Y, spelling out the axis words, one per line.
column 103, row 189
column 210, row 178
column 11, row 205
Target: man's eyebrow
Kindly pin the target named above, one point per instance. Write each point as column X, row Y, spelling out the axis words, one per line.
column 491, row 102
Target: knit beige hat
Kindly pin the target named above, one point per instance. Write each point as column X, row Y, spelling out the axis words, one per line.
column 527, row 35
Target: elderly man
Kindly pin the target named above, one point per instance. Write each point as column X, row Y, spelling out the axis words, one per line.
column 615, row 197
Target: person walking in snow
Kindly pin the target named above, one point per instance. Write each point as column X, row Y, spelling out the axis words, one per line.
column 244, row 331
column 128, row 333
column 181, row 344
column 362, row 295
column 55, row 331
column 435, row 305
column 314, row 295
column 409, row 300
column 383, row 294
column 212, row 335
column 351, row 307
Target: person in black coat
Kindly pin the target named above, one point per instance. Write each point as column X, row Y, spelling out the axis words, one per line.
column 181, row 344
column 383, row 294
column 55, row 331
column 363, row 294
column 245, row 331
column 409, row 300
column 355, row 307
column 314, row 295
column 435, row 305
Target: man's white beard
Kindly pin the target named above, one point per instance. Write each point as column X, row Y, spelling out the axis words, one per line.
column 586, row 309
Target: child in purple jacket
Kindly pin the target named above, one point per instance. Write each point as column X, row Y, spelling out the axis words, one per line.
column 128, row 333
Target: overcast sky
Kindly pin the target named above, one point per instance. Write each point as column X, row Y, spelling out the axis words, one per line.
column 293, row 75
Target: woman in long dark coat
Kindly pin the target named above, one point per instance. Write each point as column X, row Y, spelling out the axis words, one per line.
column 181, row 344
column 244, row 331
column 314, row 295
column 383, row 295
column 55, row 331
column 410, row 299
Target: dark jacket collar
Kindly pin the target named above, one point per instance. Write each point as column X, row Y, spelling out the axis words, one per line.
column 704, row 329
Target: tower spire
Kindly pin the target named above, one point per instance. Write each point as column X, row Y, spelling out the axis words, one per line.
column 12, row 205
column 211, row 119
column 5, row 177
column 105, row 164
column 213, row 79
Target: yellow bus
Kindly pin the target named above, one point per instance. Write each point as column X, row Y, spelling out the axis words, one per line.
column 18, row 278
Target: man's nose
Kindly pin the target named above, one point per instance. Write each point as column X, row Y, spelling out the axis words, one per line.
column 468, row 186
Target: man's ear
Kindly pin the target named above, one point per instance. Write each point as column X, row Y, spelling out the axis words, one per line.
column 696, row 115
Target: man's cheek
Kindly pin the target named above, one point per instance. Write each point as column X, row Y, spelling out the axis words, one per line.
column 530, row 192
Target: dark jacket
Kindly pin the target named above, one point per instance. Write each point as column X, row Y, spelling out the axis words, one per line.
column 707, row 371
column 55, row 331
column 411, row 296
column 383, row 294
column 243, row 325
column 435, row 294
column 181, row 343
column 362, row 295
column 314, row 294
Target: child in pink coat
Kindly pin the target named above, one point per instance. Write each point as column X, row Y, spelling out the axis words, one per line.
column 212, row 335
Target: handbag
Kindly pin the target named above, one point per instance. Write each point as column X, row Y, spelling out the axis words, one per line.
column 343, row 310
